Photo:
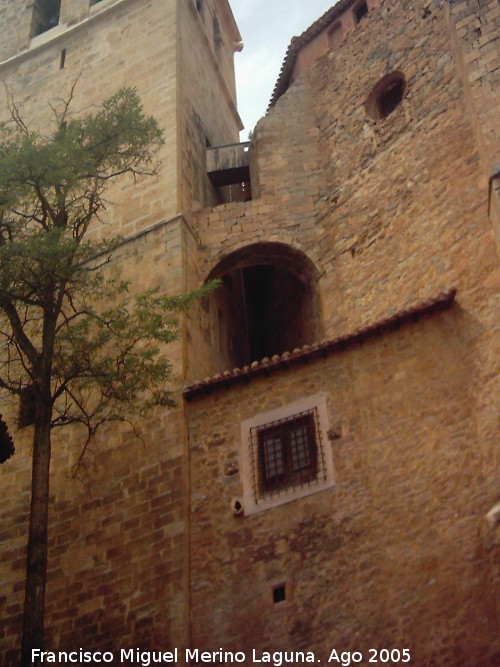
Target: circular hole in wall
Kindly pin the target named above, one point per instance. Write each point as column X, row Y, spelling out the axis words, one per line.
column 386, row 95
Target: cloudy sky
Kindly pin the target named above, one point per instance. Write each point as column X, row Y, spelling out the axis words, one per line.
column 266, row 27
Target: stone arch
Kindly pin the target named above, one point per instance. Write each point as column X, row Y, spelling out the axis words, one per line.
column 268, row 303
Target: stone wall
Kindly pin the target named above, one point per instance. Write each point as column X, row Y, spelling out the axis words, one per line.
column 97, row 63
column 208, row 113
column 16, row 22
column 384, row 215
column 397, row 554
column 117, row 533
column 343, row 24
column 474, row 30
column 118, row 556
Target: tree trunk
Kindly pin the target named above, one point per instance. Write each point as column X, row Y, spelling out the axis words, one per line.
column 36, row 564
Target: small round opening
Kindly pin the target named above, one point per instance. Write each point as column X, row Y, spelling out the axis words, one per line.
column 386, row 96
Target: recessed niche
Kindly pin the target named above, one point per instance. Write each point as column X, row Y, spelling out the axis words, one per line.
column 267, row 304
column 360, row 10
column 279, row 594
column 386, row 96
column 335, row 35
column 45, row 16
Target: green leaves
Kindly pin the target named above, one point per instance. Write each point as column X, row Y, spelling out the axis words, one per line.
column 119, row 136
column 67, row 327
column 58, row 180
column 110, row 362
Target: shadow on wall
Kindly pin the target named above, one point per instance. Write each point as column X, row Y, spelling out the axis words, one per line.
column 267, row 304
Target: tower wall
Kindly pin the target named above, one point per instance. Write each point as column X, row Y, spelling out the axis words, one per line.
column 129, row 43
column 207, row 91
column 118, row 543
column 118, row 555
column 474, row 30
column 15, row 32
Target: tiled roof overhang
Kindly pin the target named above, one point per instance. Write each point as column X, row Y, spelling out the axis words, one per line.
column 308, row 352
column 299, row 42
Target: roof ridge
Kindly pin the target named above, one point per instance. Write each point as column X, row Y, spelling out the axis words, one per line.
column 298, row 42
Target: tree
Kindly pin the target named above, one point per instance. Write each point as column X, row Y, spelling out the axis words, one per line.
column 75, row 346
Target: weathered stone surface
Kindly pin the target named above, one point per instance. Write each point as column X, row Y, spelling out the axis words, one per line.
column 381, row 216
column 398, row 552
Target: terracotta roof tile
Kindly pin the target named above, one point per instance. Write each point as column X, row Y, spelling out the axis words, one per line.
column 299, row 42
column 304, row 354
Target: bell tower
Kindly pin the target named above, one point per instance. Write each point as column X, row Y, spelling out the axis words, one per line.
column 122, row 572
column 178, row 53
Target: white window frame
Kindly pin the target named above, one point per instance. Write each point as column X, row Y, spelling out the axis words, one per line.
column 253, row 505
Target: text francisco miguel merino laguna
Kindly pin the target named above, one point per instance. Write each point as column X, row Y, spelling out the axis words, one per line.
column 135, row 656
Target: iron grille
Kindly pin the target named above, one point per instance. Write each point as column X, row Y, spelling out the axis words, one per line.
column 286, row 454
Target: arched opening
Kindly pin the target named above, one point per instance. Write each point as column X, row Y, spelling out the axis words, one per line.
column 386, row 95
column 267, row 304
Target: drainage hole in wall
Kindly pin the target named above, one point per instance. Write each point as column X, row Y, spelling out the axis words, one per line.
column 279, row 594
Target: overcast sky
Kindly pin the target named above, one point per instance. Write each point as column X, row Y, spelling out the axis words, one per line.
column 266, row 28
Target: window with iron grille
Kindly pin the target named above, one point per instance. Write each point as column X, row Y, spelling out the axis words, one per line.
column 286, row 454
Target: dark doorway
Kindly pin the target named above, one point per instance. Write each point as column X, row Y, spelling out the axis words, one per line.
column 266, row 305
